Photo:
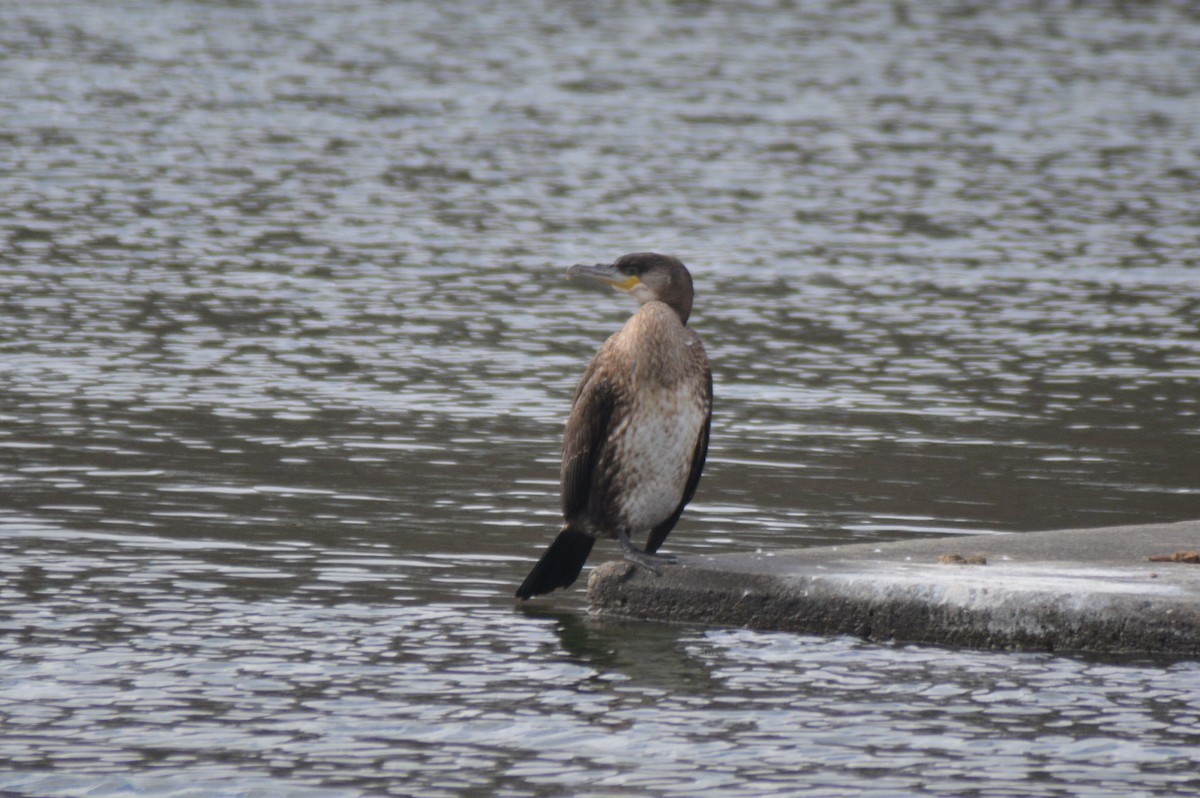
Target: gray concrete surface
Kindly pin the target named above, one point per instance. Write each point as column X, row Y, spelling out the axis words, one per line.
column 1093, row 590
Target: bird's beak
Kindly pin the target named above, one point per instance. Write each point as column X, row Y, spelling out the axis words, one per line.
column 606, row 272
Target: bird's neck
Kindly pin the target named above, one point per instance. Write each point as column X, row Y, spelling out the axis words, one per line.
column 653, row 342
column 680, row 313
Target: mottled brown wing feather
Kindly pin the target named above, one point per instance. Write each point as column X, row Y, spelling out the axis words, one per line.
column 583, row 441
column 660, row 532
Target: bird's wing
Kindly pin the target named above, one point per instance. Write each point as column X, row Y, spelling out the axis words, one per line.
column 660, row 532
column 584, row 440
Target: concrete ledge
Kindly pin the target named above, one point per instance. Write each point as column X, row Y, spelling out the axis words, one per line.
column 1093, row 590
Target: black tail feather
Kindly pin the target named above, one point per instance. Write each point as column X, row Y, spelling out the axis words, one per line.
column 560, row 564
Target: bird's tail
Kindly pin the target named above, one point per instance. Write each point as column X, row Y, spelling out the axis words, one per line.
column 560, row 564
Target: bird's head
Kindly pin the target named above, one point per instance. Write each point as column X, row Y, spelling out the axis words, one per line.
column 647, row 277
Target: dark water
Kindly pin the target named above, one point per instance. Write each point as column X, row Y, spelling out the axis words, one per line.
column 286, row 352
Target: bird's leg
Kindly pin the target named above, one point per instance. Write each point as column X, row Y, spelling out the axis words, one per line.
column 651, row 562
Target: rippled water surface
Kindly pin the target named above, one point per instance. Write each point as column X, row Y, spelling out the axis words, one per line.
column 286, row 352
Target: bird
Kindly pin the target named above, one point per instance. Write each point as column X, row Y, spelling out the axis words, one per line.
column 637, row 435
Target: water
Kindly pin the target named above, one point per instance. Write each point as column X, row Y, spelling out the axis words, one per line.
column 286, row 354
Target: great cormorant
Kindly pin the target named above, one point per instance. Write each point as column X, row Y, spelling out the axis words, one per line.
column 637, row 435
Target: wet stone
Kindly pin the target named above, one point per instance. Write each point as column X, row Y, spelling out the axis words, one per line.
column 1077, row 590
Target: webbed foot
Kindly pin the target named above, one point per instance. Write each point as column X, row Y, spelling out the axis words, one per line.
column 651, row 562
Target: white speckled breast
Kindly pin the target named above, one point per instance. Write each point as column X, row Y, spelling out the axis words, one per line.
column 654, row 447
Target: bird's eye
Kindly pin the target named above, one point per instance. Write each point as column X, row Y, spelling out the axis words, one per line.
column 629, row 267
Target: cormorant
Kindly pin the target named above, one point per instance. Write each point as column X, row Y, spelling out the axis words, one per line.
column 637, row 435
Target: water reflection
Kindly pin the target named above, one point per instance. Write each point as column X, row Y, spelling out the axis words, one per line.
column 651, row 656
column 287, row 352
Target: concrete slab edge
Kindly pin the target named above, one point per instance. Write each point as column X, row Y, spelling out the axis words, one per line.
column 1125, row 610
